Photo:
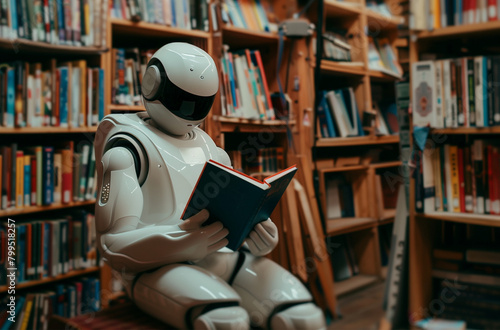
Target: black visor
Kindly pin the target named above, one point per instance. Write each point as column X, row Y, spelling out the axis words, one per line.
column 181, row 103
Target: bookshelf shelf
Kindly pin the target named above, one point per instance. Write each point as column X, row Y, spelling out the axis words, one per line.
column 460, row 31
column 24, row 45
column 47, row 130
column 386, row 164
column 357, row 141
column 467, row 130
column 354, row 283
column 344, row 169
column 355, row 69
column 125, row 108
column 29, row 284
column 229, row 124
column 381, row 76
column 34, row 209
column 387, row 217
column 140, row 29
column 379, row 22
column 341, row 9
column 468, row 218
column 239, row 37
column 348, row 225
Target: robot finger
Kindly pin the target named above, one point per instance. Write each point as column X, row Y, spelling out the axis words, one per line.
column 195, row 221
column 218, row 236
column 263, row 233
column 259, row 242
column 270, row 227
column 217, row 246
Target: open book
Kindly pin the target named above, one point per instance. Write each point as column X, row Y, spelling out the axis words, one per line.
column 236, row 199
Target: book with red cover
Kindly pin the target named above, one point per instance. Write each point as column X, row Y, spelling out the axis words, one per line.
column 236, row 199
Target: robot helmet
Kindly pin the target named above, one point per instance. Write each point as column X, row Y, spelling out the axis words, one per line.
column 179, row 87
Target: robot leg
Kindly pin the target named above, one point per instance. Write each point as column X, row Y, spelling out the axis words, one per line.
column 273, row 297
column 303, row 316
column 185, row 296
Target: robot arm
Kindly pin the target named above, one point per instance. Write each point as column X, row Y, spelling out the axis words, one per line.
column 118, row 212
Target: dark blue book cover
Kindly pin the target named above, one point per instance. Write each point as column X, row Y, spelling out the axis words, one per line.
column 21, row 252
column 235, row 199
column 48, row 175
column 325, row 118
column 46, row 244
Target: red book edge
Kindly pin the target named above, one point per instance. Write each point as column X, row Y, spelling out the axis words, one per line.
column 233, row 170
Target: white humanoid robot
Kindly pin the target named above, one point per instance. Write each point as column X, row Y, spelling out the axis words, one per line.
column 180, row 271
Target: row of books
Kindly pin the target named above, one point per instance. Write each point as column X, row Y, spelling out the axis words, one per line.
column 344, row 261
column 69, row 22
column 338, row 114
column 461, row 92
column 467, row 299
column 46, row 175
column 254, row 15
column 435, row 14
column 263, row 160
column 459, row 178
column 129, row 66
column 381, row 57
column 68, row 94
column 466, row 266
column 68, row 299
column 184, row 14
column 339, row 201
column 244, row 88
column 48, row 248
column 336, row 46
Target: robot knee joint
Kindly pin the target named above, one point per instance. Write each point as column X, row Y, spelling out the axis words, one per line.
column 227, row 318
column 304, row 316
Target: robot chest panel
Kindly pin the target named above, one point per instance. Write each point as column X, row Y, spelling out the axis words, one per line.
column 173, row 171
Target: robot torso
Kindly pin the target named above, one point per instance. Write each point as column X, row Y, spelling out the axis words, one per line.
column 167, row 166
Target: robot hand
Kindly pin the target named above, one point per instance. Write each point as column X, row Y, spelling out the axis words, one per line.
column 205, row 239
column 263, row 238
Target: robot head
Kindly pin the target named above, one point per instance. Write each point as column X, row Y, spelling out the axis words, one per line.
column 179, row 87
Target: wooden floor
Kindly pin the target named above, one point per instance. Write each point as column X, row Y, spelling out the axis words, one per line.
column 361, row 310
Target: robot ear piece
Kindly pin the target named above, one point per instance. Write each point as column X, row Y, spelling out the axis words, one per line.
column 151, row 83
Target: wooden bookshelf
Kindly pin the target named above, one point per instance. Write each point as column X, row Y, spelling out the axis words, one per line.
column 424, row 227
column 357, row 20
column 71, row 274
column 37, row 209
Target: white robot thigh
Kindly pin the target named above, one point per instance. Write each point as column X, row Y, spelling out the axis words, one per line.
column 177, row 294
column 266, row 288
